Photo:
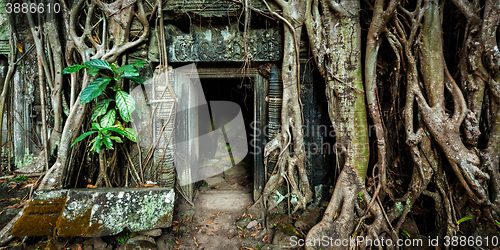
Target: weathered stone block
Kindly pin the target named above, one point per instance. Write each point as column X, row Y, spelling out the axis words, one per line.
column 96, row 212
column 40, row 216
column 135, row 209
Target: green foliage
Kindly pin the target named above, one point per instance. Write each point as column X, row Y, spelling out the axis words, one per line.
column 125, row 237
column 465, row 219
column 94, row 89
column 405, row 234
column 125, row 104
column 72, row 69
column 101, row 90
column 100, row 108
column 19, row 178
column 360, row 196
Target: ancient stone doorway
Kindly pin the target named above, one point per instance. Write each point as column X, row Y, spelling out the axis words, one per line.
column 231, row 79
column 241, row 92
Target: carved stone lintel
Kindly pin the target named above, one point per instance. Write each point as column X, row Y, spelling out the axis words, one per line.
column 222, row 44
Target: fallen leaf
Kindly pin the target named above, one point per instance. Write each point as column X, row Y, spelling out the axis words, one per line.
column 96, row 40
column 264, row 239
column 195, row 243
column 79, row 247
column 254, row 234
column 91, row 186
column 15, row 206
column 20, row 47
column 213, row 223
column 178, row 242
column 241, row 216
column 216, row 233
column 10, row 199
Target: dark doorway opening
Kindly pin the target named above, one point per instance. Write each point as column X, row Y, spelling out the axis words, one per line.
column 241, row 92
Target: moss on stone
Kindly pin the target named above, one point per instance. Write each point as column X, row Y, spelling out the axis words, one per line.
column 75, row 226
column 40, row 218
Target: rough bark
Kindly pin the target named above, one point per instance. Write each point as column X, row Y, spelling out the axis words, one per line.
column 290, row 161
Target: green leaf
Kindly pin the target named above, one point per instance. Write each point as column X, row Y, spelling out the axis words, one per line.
column 97, row 143
column 465, row 219
column 98, row 64
column 94, row 89
column 127, row 69
column 130, row 72
column 125, row 104
column 405, row 234
column 109, row 119
column 100, row 108
column 117, row 130
column 116, row 139
column 139, row 63
column 130, row 134
column 92, row 71
column 72, row 69
column 96, row 126
column 137, row 79
column 107, row 142
column 82, row 136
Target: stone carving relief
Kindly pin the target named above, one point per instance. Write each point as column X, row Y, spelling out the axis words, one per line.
column 222, row 44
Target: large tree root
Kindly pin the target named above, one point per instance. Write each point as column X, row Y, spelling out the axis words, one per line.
column 289, row 142
column 344, row 208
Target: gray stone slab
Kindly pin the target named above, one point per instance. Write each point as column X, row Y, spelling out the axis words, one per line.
column 214, row 180
column 100, row 212
column 135, row 209
column 224, row 200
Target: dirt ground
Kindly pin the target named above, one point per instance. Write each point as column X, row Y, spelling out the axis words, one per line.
column 211, row 223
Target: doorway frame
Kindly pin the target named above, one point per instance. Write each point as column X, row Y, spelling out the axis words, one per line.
column 261, row 86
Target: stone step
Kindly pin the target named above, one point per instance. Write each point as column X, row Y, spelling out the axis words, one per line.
column 95, row 212
column 224, row 199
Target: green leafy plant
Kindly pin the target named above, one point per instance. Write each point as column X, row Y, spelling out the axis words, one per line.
column 360, row 196
column 111, row 101
column 20, row 178
column 405, row 234
column 465, row 219
column 125, row 237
